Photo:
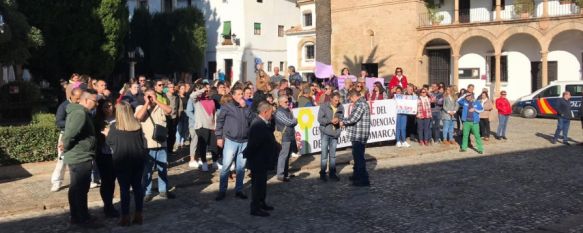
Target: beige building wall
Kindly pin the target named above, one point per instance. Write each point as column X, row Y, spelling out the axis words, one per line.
column 376, row 31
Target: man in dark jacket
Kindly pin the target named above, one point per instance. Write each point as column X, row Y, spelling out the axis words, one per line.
column 61, row 118
column 564, row 118
column 329, row 116
column 79, row 150
column 259, row 151
column 285, row 123
column 232, row 127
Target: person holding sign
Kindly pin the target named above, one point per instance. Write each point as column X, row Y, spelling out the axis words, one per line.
column 401, row 125
column 358, row 128
column 330, row 115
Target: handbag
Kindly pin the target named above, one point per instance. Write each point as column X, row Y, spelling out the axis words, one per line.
column 279, row 135
column 160, row 132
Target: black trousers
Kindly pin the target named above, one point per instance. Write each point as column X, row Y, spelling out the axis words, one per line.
column 172, row 123
column 258, row 188
column 80, row 175
column 485, row 127
column 130, row 175
column 207, row 140
column 105, row 167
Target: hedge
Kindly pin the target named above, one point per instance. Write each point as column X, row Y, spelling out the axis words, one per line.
column 36, row 142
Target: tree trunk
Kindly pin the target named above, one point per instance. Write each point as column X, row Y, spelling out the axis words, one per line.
column 18, row 71
column 323, row 31
column 1, row 74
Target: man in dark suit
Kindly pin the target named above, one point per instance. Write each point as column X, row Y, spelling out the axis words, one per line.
column 260, row 149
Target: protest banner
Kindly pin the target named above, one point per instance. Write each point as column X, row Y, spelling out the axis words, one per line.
column 370, row 82
column 406, row 104
column 383, row 125
column 323, row 70
column 342, row 78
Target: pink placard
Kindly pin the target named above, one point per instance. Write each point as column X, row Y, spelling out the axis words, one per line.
column 344, row 77
column 370, row 82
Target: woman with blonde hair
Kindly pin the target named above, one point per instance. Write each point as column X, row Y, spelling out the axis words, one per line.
column 126, row 140
column 448, row 113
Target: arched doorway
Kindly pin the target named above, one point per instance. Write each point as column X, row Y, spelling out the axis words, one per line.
column 566, row 49
column 476, row 64
column 437, row 57
column 521, row 58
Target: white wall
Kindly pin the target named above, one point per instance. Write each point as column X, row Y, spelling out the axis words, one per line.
column 521, row 50
column 473, row 54
column 566, row 49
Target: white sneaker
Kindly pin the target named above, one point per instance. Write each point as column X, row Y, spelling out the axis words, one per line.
column 405, row 144
column 398, row 144
column 219, row 166
column 93, row 185
column 192, row 164
column 56, row 187
column 232, row 167
column 204, row 167
column 295, row 155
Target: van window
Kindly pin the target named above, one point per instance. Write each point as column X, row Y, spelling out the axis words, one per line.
column 576, row 90
column 552, row 91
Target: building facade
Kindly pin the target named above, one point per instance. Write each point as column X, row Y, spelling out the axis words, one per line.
column 239, row 33
column 301, row 40
column 512, row 45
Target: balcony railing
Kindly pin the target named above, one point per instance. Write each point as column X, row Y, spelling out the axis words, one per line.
column 509, row 12
column 557, row 9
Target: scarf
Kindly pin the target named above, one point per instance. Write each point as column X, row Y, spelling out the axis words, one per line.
column 208, row 105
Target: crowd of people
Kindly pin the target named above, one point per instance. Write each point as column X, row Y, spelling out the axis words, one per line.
column 242, row 126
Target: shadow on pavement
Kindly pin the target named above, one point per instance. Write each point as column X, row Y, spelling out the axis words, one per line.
column 507, row 192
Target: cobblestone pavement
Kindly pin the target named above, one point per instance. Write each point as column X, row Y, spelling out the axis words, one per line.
column 524, row 184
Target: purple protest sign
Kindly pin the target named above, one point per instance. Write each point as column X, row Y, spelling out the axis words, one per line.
column 370, row 82
column 323, row 71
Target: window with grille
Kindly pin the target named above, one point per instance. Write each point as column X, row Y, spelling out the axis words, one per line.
column 280, row 31
column 503, row 70
column 257, row 28
column 308, row 19
column 310, row 51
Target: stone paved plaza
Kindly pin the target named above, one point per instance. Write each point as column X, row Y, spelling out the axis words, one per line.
column 525, row 184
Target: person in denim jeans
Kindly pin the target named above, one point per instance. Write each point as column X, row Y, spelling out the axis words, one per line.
column 152, row 113
column 504, row 111
column 436, row 97
column 285, row 123
column 401, row 124
column 448, row 112
column 564, row 115
column 329, row 116
column 231, row 130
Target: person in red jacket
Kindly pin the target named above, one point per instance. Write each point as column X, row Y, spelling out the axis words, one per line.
column 504, row 111
column 398, row 79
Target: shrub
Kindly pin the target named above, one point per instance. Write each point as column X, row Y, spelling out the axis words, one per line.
column 18, row 100
column 29, row 143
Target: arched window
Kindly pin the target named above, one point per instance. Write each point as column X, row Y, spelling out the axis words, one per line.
column 309, row 51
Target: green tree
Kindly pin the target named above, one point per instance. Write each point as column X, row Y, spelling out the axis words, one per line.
column 17, row 37
column 80, row 36
column 172, row 41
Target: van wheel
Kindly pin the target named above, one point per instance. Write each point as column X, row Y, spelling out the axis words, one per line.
column 528, row 112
